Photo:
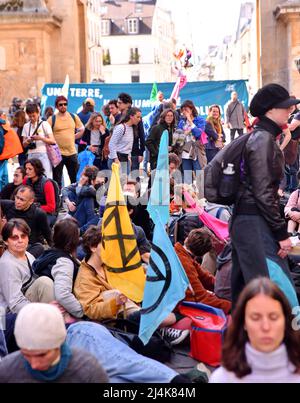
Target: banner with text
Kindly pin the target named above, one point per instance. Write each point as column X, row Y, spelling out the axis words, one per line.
column 202, row 93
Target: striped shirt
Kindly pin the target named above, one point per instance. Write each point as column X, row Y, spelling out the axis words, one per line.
column 121, row 141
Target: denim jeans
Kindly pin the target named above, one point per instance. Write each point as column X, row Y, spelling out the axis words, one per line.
column 122, row 364
column 291, row 176
column 190, row 166
column 85, row 211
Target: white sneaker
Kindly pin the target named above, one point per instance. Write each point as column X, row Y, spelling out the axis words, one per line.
column 174, row 336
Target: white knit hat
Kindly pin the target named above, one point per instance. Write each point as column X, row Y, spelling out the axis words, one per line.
column 40, row 327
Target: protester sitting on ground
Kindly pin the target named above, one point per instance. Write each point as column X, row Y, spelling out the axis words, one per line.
column 8, row 191
column 197, row 244
column 23, row 207
column 98, row 299
column 292, row 212
column 139, row 216
column 143, row 244
column 44, row 355
column 223, row 273
column 18, row 285
column 261, row 345
column 167, row 122
column 43, row 188
column 219, row 211
column 60, row 264
column 121, row 363
column 80, row 197
column 36, row 135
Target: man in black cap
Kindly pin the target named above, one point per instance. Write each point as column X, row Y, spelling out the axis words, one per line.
column 260, row 241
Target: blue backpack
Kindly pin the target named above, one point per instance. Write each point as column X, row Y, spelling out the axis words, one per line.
column 85, row 158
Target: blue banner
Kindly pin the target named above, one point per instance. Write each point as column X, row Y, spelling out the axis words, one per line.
column 202, row 93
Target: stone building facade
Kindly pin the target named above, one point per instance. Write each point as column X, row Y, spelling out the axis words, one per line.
column 280, row 43
column 41, row 41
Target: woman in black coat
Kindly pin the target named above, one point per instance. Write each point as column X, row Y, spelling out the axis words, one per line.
column 167, row 121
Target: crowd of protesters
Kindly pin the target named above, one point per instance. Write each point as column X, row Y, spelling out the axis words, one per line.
column 51, row 237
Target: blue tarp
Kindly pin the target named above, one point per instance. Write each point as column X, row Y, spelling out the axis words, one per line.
column 202, row 93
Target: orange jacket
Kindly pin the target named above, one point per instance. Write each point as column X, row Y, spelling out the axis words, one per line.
column 202, row 282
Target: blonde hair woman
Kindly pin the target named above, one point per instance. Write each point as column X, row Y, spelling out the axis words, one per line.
column 94, row 138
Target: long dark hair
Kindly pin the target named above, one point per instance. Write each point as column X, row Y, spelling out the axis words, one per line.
column 162, row 118
column 37, row 166
column 191, row 105
column 66, row 235
column 234, row 356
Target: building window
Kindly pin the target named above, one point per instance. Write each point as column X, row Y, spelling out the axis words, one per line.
column 2, row 58
column 134, row 56
column 106, row 57
column 135, row 76
column 138, row 8
column 105, row 27
column 133, row 26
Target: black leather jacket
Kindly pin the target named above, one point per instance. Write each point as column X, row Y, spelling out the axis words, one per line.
column 264, row 171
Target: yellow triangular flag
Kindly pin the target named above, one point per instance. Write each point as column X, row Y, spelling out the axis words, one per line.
column 119, row 251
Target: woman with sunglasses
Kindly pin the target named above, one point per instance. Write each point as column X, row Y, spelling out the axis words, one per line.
column 18, row 284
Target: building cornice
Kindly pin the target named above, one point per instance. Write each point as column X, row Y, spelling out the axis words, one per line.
column 30, row 18
column 288, row 10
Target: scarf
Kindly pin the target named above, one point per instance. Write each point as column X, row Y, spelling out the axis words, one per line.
column 54, row 372
column 216, row 124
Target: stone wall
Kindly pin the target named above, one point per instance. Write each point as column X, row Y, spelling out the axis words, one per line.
column 280, row 43
column 41, row 46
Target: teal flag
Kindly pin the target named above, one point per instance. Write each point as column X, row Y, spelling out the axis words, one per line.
column 159, row 201
column 154, row 91
column 165, row 285
column 278, row 276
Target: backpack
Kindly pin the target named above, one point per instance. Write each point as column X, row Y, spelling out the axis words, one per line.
column 214, row 177
column 54, row 120
column 105, row 150
column 180, row 226
column 56, row 191
column 43, row 265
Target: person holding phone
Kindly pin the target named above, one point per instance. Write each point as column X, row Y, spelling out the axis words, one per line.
column 36, row 134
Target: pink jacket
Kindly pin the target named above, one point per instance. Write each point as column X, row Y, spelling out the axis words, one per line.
column 294, row 201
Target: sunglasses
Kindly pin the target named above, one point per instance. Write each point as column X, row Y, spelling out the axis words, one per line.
column 17, row 237
column 64, row 104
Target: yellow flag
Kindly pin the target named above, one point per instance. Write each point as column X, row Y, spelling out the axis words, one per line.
column 119, row 251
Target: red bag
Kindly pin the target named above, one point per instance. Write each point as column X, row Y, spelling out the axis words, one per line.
column 207, row 330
